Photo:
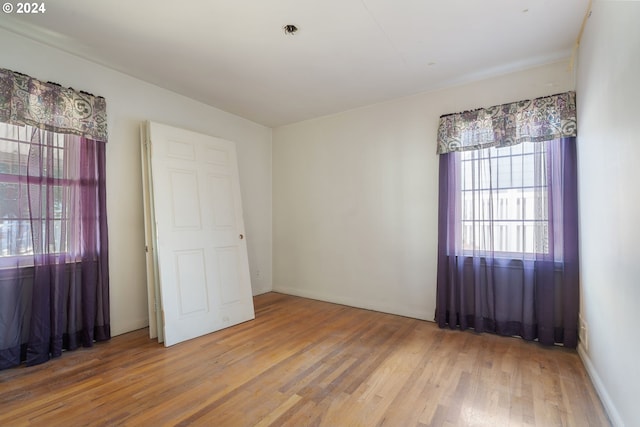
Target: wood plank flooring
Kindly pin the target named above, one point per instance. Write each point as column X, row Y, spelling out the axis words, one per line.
column 307, row 363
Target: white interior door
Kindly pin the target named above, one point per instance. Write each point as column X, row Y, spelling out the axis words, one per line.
column 200, row 247
column 156, row 328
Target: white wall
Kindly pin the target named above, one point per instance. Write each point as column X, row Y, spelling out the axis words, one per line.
column 129, row 102
column 356, row 194
column 608, row 97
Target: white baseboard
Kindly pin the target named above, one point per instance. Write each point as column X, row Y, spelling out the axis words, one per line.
column 608, row 404
column 352, row 302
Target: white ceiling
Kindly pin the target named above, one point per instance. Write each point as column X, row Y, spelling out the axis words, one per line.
column 234, row 54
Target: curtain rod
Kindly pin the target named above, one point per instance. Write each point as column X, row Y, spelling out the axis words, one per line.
column 59, row 85
column 507, row 103
column 70, row 88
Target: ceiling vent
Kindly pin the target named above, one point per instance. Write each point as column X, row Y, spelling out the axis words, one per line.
column 290, row 29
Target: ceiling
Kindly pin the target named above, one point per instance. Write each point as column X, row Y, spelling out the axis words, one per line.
column 234, row 54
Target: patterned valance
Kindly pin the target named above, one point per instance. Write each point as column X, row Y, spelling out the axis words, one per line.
column 540, row 119
column 27, row 101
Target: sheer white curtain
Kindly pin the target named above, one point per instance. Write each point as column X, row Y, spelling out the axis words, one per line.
column 503, row 205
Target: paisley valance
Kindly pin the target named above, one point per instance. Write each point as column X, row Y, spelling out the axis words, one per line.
column 541, row 119
column 28, row 101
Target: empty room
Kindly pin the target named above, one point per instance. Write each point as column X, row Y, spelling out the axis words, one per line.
column 319, row 213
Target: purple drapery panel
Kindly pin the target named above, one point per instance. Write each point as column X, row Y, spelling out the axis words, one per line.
column 56, row 297
column 54, row 282
column 533, row 296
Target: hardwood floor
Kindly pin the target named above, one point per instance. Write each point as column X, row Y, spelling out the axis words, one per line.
column 307, row 363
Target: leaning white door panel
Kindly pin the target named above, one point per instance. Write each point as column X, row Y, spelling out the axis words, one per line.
column 201, row 251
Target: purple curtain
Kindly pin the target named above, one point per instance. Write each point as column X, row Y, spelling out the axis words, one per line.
column 532, row 294
column 54, row 289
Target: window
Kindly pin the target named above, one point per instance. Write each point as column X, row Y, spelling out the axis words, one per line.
column 48, row 159
column 508, row 220
column 504, row 199
column 53, row 229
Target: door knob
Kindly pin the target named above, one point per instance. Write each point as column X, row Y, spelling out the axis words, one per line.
column 241, row 236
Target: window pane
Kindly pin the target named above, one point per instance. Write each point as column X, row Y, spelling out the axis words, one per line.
column 15, row 237
column 517, row 149
column 517, row 171
column 467, row 175
column 484, row 174
column 504, row 172
column 527, row 147
column 528, row 170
